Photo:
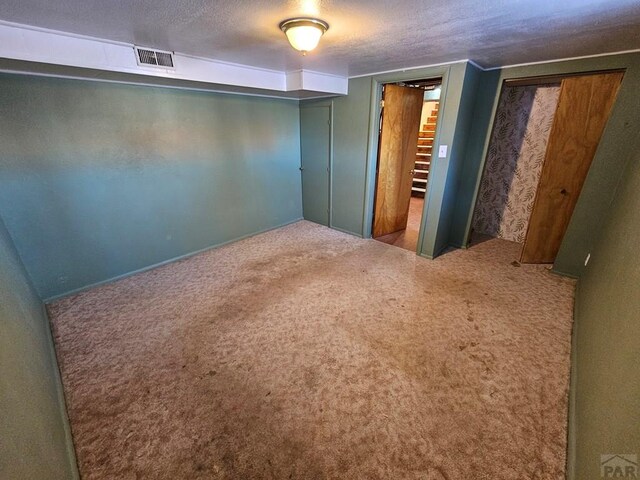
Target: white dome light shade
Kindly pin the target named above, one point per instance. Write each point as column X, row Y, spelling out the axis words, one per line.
column 304, row 38
column 304, row 33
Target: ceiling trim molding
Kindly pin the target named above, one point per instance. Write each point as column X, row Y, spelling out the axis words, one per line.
column 33, row 44
column 566, row 59
column 373, row 74
column 488, row 69
column 478, row 66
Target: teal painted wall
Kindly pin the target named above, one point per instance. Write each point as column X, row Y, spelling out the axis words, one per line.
column 488, row 84
column 465, row 85
column 98, row 180
column 593, row 205
column 351, row 134
column 605, row 413
column 35, row 442
column 442, row 170
column 350, row 150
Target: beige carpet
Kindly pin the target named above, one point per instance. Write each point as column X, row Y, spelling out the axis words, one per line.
column 407, row 238
column 305, row 353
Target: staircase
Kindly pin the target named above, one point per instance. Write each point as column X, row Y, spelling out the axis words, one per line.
column 423, row 157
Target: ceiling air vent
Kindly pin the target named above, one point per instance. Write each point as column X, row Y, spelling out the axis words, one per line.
column 154, row 58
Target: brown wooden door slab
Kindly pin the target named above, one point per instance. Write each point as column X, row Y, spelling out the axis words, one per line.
column 396, row 157
column 581, row 115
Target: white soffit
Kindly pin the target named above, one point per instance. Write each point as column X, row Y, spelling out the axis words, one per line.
column 21, row 42
column 316, row 82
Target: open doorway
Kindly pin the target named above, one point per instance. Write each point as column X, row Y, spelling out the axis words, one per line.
column 408, row 123
column 545, row 135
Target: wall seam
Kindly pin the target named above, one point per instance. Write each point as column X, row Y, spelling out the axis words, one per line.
column 60, row 397
column 573, row 380
column 62, row 400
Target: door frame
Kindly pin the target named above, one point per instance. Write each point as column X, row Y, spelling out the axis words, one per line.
column 325, row 104
column 377, row 82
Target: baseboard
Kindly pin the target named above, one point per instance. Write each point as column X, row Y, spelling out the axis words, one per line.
column 62, row 401
column 442, row 250
column 573, row 379
column 564, row 274
column 436, row 255
column 359, row 235
column 165, row 262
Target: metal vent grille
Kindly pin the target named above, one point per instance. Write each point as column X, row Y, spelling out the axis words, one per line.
column 155, row 58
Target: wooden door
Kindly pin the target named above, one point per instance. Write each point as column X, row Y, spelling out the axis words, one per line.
column 581, row 115
column 315, row 148
column 396, row 157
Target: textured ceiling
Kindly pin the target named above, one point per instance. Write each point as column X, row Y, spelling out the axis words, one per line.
column 365, row 36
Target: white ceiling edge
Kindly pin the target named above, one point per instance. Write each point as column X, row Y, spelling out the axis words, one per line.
column 565, row 59
column 33, row 44
column 26, row 43
column 500, row 67
column 419, row 67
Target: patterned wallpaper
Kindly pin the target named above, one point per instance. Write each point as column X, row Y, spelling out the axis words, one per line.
column 514, row 161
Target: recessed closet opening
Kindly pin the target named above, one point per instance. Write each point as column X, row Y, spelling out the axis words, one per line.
column 516, row 153
column 544, row 137
column 408, row 123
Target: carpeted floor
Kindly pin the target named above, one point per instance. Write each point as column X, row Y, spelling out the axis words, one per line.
column 306, row 353
column 407, row 238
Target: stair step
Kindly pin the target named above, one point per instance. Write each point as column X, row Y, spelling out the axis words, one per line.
column 421, row 171
column 420, row 180
column 423, row 154
column 421, row 162
column 424, row 146
column 418, row 189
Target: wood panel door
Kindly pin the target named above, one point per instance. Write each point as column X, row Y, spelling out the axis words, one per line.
column 315, row 148
column 396, row 157
column 581, row 115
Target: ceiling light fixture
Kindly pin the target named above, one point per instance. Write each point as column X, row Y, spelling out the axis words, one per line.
column 304, row 33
